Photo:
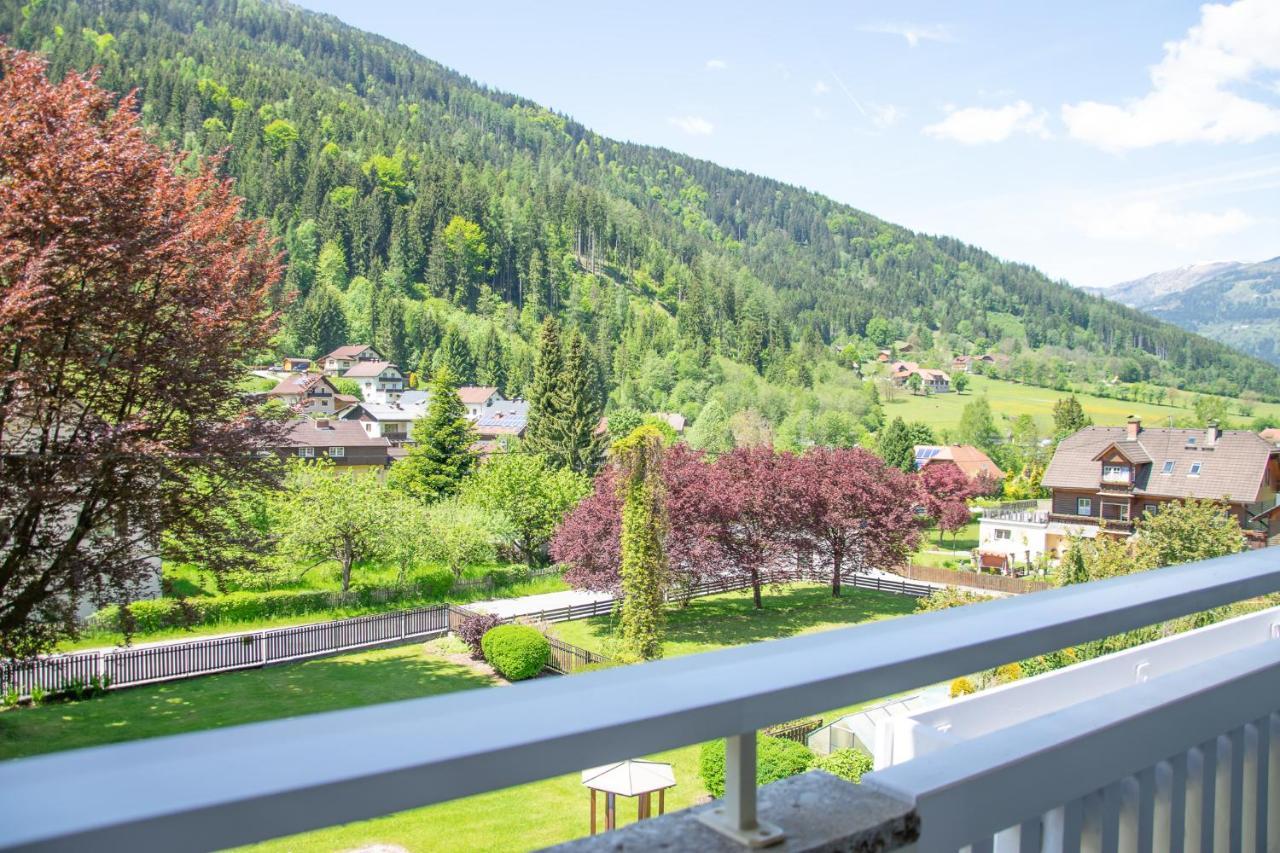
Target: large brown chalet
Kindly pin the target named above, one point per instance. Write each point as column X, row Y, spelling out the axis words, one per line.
column 1112, row 475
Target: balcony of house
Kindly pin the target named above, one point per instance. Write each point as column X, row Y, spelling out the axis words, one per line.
column 1018, row 512
column 1111, row 525
column 1155, row 750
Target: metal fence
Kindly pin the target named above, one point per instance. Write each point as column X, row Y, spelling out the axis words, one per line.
column 567, row 658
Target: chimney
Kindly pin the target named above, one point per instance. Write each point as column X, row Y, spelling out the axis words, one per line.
column 1133, row 428
column 322, row 423
column 1212, row 433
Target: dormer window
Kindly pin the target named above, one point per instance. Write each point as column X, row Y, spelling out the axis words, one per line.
column 1195, row 469
column 1191, row 441
column 1168, row 467
column 1115, row 473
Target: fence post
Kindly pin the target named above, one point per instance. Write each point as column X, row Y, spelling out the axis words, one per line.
column 262, row 648
column 102, row 666
column 403, row 615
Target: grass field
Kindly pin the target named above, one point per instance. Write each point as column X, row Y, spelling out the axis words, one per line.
column 1011, row 399
column 521, row 818
column 719, row 621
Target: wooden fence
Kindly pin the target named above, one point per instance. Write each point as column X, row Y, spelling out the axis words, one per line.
column 797, row 731
column 976, row 580
column 129, row 667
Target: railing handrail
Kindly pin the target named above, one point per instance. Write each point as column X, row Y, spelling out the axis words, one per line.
column 978, row 787
column 241, row 784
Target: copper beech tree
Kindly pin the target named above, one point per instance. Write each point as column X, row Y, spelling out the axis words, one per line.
column 130, row 296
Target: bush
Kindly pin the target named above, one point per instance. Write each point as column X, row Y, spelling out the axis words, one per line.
column 776, row 759
column 962, row 687
column 848, row 764
column 517, row 652
column 1008, row 672
column 473, row 629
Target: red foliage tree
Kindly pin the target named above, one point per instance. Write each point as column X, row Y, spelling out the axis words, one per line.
column 847, row 508
column 588, row 541
column 749, row 526
column 945, row 491
column 130, row 296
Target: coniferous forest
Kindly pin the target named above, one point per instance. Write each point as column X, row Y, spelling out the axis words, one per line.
column 442, row 221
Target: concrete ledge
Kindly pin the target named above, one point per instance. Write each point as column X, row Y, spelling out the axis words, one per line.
column 820, row 813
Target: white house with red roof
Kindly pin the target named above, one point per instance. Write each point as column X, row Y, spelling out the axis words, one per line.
column 344, row 358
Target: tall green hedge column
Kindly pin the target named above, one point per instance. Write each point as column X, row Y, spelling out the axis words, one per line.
column 644, row 562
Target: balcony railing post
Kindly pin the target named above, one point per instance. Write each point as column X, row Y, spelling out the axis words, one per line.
column 737, row 817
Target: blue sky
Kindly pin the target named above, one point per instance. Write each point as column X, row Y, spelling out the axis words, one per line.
column 1099, row 141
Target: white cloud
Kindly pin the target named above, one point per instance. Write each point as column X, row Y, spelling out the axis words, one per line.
column 1153, row 220
column 693, row 125
column 821, row 88
column 914, row 34
column 978, row 125
column 716, row 65
column 1190, row 99
column 885, row 115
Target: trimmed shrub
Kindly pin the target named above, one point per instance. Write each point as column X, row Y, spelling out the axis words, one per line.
column 1008, row 672
column 473, row 629
column 962, row 687
column 516, row 651
column 848, row 764
column 776, row 759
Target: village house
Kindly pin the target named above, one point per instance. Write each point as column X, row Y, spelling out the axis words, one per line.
column 969, row 459
column 390, row 421
column 295, row 365
column 479, row 399
column 379, row 381
column 1102, row 478
column 345, row 443
column 932, row 380
column 344, row 358
column 309, row 393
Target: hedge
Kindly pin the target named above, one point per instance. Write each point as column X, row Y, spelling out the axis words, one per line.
column 517, row 652
column 848, row 764
column 162, row 614
column 776, row 758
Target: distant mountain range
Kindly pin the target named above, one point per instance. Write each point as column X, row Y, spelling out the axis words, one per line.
column 1233, row 302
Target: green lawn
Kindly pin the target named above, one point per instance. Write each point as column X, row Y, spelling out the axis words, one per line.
column 522, row 818
column 1010, row 399
column 325, row 684
column 718, row 621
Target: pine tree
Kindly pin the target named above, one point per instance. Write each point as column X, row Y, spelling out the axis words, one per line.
column 441, row 456
column 321, row 324
column 454, row 355
column 896, row 447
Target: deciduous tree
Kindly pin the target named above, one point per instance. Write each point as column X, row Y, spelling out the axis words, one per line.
column 130, row 295
column 531, row 494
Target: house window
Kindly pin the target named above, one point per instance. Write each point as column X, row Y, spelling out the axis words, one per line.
column 337, row 452
column 1084, row 506
column 307, row 452
column 1195, row 469
column 1001, row 533
column 1191, row 440
column 1115, row 473
column 1168, row 467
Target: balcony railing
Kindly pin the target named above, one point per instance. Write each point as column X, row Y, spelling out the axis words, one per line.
column 237, row 785
column 1112, row 524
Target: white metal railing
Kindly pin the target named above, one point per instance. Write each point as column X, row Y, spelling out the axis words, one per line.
column 236, row 785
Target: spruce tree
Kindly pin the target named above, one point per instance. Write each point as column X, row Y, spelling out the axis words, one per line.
column 454, row 355
column 441, row 456
column 896, row 447
column 1069, row 417
column 547, row 368
column 578, row 410
column 491, row 361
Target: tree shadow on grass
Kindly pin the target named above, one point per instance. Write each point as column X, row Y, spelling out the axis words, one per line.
column 234, row 698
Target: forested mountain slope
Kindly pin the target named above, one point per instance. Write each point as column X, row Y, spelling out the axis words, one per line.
column 1232, row 302
column 405, row 193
